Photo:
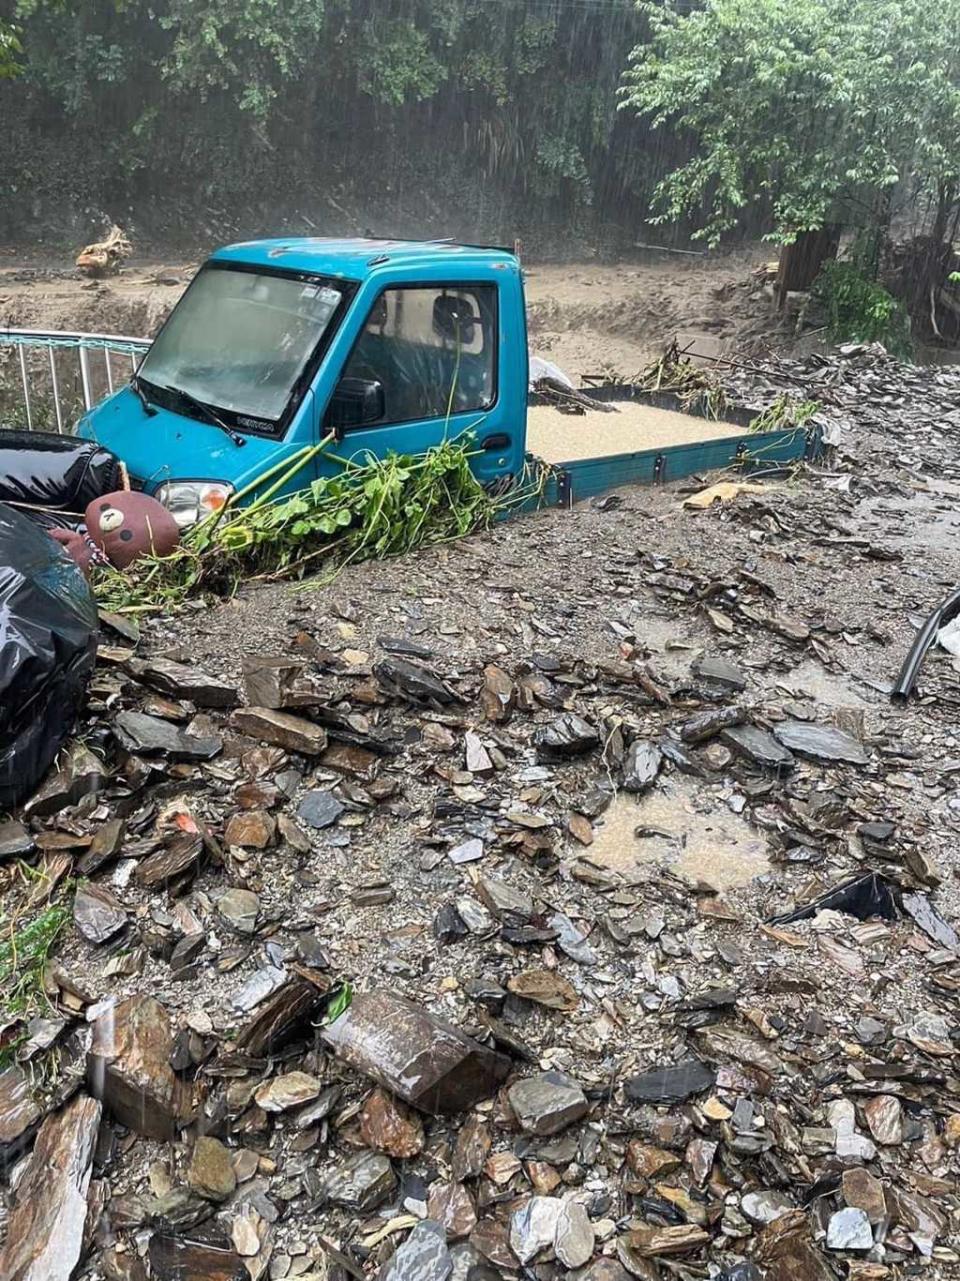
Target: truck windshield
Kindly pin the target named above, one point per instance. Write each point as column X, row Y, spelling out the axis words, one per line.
column 239, row 340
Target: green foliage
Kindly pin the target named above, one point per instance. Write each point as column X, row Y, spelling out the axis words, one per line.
column 372, row 509
column 860, row 310
column 785, row 414
column 10, row 50
column 24, row 949
column 816, row 110
column 505, row 110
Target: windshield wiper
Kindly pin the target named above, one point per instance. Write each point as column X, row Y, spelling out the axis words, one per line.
column 137, row 386
column 209, row 414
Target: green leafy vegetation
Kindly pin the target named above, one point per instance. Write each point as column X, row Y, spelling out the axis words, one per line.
column 208, row 117
column 860, row 310
column 814, row 111
column 786, row 413
column 25, row 945
column 373, row 508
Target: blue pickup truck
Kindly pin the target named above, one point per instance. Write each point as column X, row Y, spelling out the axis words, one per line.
column 387, row 345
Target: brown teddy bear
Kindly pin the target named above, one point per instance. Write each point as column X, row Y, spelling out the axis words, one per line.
column 119, row 528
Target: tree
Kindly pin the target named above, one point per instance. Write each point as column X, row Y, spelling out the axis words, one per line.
column 821, row 110
column 10, row 49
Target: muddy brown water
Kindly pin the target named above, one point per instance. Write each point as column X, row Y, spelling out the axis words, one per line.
column 670, row 829
column 562, row 438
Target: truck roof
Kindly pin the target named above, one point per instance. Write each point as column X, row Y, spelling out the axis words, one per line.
column 359, row 258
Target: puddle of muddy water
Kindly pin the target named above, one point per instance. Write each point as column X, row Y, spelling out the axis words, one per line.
column 925, row 520
column 691, row 834
column 810, row 680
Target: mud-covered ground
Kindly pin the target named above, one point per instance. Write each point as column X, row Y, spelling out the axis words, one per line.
column 561, row 751
column 588, row 318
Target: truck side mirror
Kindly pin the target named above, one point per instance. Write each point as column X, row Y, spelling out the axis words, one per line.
column 356, row 402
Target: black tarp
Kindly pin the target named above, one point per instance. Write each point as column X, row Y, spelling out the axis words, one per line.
column 48, row 642
column 46, row 470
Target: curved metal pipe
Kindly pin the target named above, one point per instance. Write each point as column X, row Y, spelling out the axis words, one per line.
column 943, row 614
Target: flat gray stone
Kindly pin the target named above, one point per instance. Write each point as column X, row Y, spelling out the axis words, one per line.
column 758, row 746
column 240, row 909
column 849, row 1230
column 821, row 743
column 320, row 809
column 547, row 1103
column 361, row 1182
column 151, row 736
column 720, row 671
column 422, row 1257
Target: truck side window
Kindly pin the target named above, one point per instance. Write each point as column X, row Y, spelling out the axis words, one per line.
column 433, row 350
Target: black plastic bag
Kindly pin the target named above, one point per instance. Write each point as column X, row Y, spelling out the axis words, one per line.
column 48, row 645
column 55, row 471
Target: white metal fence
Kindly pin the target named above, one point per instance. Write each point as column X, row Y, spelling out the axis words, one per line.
column 49, row 374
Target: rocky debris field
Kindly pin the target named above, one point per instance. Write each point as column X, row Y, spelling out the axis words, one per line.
column 567, row 902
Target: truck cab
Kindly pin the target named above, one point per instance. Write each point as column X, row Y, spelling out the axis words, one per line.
column 276, row 344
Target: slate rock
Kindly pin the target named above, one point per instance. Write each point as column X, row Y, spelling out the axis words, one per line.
column 250, row 829
column 97, row 913
column 387, row 1125
column 764, row 1206
column 849, row 1230
column 641, row 766
column 240, row 909
column 566, row 735
column 921, row 911
column 862, row 1191
column 706, row 725
column 270, row 682
column 45, row 1230
column 602, row 1270
column 320, row 809
column 129, row 1067
column 472, row 1149
column 174, row 1259
column 182, row 680
column 414, row 682
column 671, row 1084
column 534, row 1227
column 78, row 773
column 884, row 1115
column 451, row 1205
column 759, row 747
column 178, row 861
column 292, row 1090
column 260, row 986
column 498, row 696
column 820, row 743
column 210, row 1170
column 280, row 729
column 15, row 840
column 719, row 671
column 422, row 1257
column 501, row 898
column 106, row 845
column 575, row 1238
column 422, row 1059
column 547, row 1103
column 150, row 736
column 19, row 1113
column 449, row 925
column 287, row 1012
column 361, row 1182
column 571, row 941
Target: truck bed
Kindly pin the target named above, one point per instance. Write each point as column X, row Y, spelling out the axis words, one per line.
column 561, row 438
column 651, row 439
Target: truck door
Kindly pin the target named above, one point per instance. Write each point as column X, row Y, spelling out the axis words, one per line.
column 424, row 369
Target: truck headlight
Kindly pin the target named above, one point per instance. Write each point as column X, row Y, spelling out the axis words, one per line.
column 189, row 501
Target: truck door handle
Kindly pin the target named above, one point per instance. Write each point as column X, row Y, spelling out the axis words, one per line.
column 499, row 440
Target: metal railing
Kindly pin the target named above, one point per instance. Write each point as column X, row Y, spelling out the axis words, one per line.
column 64, row 369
